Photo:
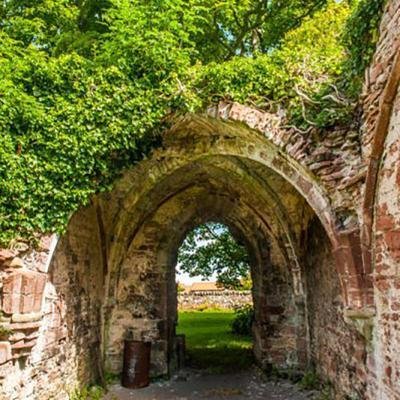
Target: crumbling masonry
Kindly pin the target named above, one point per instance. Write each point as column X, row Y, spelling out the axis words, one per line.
column 320, row 218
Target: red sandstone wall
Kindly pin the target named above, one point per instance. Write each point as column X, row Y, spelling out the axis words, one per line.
column 381, row 147
column 386, row 356
column 378, row 74
column 279, row 326
column 52, row 310
column 336, row 349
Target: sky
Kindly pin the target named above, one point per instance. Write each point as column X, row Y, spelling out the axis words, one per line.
column 183, row 277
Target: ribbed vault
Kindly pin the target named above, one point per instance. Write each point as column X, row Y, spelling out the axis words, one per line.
column 209, row 170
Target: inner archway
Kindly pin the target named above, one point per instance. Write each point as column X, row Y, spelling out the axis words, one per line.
column 215, row 302
column 218, row 193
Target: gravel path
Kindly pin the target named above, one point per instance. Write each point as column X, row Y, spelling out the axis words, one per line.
column 195, row 385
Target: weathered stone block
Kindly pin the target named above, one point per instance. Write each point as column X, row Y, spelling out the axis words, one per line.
column 31, row 317
column 23, row 292
column 16, row 337
column 33, row 335
column 5, row 319
column 393, row 240
column 5, row 255
column 25, row 325
column 10, row 304
column 5, row 352
column 17, row 263
column 26, row 303
column 22, row 344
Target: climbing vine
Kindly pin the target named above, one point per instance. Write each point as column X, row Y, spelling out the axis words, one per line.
column 85, row 87
column 360, row 37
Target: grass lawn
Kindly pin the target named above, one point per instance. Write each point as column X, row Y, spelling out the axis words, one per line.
column 211, row 345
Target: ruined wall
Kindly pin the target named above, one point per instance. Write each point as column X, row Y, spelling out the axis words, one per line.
column 52, row 311
column 139, row 304
column 381, row 208
column 378, row 76
column 337, row 350
column 227, row 299
column 279, row 334
column 386, row 275
column 113, row 270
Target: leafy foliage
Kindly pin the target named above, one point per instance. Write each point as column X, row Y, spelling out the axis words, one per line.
column 243, row 321
column 5, row 332
column 209, row 250
column 86, row 85
column 230, row 28
column 360, row 38
column 308, row 61
column 88, row 393
column 71, row 123
column 310, row 381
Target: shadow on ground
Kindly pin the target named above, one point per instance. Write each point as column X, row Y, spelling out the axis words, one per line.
column 219, row 366
column 195, row 385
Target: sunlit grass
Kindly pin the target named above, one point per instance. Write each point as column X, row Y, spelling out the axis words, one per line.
column 211, row 345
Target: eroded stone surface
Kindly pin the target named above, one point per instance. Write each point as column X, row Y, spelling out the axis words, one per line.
column 324, row 244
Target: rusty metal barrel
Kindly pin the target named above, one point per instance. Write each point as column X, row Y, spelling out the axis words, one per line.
column 136, row 369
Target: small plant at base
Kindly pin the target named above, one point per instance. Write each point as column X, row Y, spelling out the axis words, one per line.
column 5, row 332
column 326, row 393
column 310, row 381
column 244, row 317
column 87, row 393
column 111, row 377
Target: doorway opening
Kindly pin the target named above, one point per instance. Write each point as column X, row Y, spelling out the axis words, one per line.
column 215, row 300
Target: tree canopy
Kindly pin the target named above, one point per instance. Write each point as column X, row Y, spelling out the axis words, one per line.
column 86, row 85
column 211, row 251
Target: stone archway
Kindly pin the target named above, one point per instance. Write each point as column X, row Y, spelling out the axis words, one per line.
column 299, row 203
column 196, row 137
column 150, row 258
column 114, row 268
column 209, row 169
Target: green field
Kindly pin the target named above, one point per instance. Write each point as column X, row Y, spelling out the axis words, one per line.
column 210, row 344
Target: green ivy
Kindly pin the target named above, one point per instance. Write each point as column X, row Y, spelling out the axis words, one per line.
column 85, row 87
column 360, row 37
column 308, row 62
column 88, row 393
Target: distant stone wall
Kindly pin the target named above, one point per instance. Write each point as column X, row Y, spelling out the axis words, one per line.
column 226, row 299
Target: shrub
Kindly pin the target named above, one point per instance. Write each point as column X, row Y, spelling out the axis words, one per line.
column 87, row 393
column 5, row 332
column 310, row 381
column 243, row 321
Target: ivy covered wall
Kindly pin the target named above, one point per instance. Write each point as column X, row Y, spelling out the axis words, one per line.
column 85, row 87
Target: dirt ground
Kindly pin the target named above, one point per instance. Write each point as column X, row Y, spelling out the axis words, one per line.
column 195, row 385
